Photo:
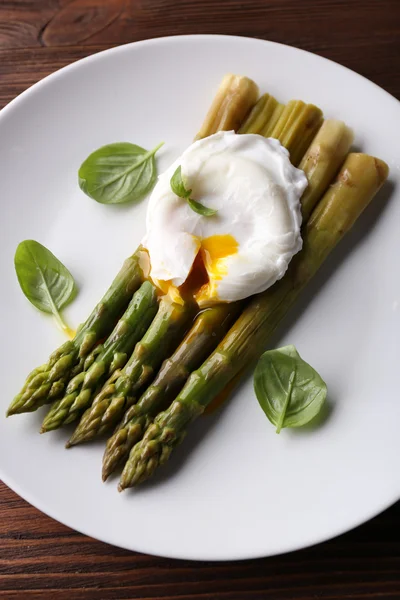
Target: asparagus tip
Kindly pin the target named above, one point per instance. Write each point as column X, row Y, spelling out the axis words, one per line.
column 74, row 439
column 13, row 410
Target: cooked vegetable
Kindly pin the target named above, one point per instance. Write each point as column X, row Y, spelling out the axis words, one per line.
column 122, row 389
column 118, row 173
column 45, row 281
column 322, row 160
column 260, row 115
column 270, row 125
column 47, row 383
column 296, row 127
column 105, row 359
column 234, row 99
column 359, row 179
column 289, row 390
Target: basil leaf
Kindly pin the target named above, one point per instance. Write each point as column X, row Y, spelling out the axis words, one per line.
column 177, row 185
column 289, row 390
column 200, row 208
column 44, row 280
column 289, row 351
column 118, row 173
column 179, row 188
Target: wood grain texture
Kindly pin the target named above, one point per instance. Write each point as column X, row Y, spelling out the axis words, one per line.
column 41, row 559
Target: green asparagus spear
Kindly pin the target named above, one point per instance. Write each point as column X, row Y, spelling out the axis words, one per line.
column 47, row 383
column 209, row 328
column 122, row 389
column 359, row 179
column 296, row 127
column 234, row 99
column 322, row 160
column 260, row 115
column 110, row 356
column 276, row 115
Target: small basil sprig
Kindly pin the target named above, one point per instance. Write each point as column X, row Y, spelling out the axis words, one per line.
column 44, row 280
column 118, row 173
column 289, row 390
column 178, row 187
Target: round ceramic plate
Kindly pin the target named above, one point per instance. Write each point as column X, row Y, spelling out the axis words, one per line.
column 234, row 489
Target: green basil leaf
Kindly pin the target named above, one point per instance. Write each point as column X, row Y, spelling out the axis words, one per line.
column 289, row 351
column 179, row 188
column 118, row 173
column 44, row 280
column 200, row 208
column 177, row 185
column 289, row 390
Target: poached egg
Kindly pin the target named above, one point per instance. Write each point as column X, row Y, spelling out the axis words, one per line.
column 247, row 245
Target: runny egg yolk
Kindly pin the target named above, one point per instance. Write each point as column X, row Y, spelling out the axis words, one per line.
column 209, row 266
column 214, row 251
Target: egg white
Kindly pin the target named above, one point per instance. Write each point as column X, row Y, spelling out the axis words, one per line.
column 256, row 190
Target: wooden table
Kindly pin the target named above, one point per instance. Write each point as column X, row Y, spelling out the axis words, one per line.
column 41, row 559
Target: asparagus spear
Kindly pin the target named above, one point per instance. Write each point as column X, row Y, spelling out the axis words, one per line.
column 357, row 182
column 209, row 328
column 276, row 115
column 235, row 97
column 296, row 127
column 260, row 115
column 47, row 382
column 121, row 390
column 109, row 357
column 323, row 159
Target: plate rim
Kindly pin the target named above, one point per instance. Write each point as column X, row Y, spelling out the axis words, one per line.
column 38, row 504
column 153, row 41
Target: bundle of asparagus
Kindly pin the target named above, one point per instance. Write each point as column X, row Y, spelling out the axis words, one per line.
column 357, row 182
column 321, row 161
column 108, row 388
column 110, row 404
column 234, row 99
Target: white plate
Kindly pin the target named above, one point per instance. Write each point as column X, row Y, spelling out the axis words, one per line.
column 234, row 489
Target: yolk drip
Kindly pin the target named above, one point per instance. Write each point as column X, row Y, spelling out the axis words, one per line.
column 214, row 251
column 209, row 266
column 166, row 287
column 144, row 262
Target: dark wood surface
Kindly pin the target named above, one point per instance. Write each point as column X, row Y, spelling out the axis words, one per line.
column 41, row 559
